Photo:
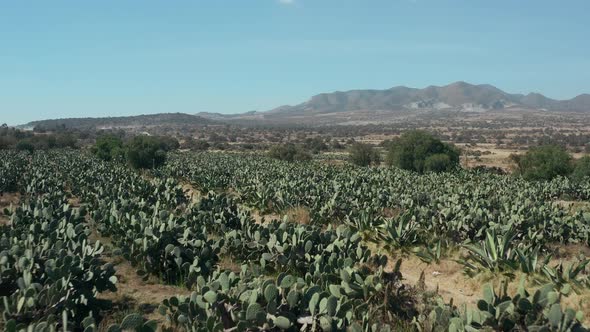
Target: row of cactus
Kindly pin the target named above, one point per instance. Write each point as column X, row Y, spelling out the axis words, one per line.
column 459, row 206
column 282, row 246
column 12, row 164
column 143, row 218
column 50, row 272
column 244, row 302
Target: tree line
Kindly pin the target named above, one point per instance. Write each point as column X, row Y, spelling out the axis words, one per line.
column 422, row 152
column 140, row 152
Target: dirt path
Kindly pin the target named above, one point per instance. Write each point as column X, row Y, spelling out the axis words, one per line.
column 133, row 293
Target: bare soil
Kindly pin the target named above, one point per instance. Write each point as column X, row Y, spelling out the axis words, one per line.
column 446, row 278
column 139, row 295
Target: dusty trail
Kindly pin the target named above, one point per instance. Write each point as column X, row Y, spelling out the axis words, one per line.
column 133, row 293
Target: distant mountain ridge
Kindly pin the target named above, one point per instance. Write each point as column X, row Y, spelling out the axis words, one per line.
column 458, row 96
column 146, row 120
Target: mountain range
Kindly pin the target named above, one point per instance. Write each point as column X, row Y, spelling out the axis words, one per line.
column 363, row 106
column 460, row 96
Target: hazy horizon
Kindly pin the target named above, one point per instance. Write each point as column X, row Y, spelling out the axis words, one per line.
column 64, row 59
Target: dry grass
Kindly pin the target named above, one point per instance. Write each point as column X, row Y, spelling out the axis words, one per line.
column 262, row 218
column 6, row 201
column 575, row 206
column 568, row 252
column 446, row 277
column 492, row 156
column 193, row 194
column 138, row 295
column 226, row 262
column 74, row 202
column 391, row 212
column 451, row 283
column 298, row 215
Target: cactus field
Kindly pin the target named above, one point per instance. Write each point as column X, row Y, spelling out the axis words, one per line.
column 216, row 232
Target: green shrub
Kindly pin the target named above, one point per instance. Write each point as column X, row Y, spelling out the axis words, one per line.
column 581, row 168
column 148, row 151
column 108, row 147
column 439, row 162
column 421, row 152
column 289, row 152
column 364, row 155
column 315, row 145
column 544, row 163
column 200, row 145
column 25, row 145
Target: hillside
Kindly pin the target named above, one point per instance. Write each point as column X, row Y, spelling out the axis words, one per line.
column 365, row 106
column 458, row 96
column 161, row 119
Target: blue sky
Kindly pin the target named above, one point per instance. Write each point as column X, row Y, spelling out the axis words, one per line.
column 121, row 57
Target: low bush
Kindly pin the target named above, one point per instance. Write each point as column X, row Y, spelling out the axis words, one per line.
column 421, row 152
column 289, row 152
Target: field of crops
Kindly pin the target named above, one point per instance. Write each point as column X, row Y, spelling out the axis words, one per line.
column 212, row 226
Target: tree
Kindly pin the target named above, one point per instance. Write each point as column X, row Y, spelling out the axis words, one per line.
column 421, row 152
column 581, row 168
column 544, row 163
column 315, row 145
column 65, row 140
column 439, row 162
column 364, row 155
column 25, row 145
column 7, row 142
column 167, row 143
column 148, row 151
column 108, row 147
column 289, row 152
column 195, row 145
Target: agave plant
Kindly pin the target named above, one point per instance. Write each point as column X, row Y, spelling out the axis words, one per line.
column 566, row 278
column 430, row 254
column 495, row 253
column 401, row 232
column 365, row 222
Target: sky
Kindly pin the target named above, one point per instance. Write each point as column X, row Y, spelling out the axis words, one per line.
column 122, row 57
